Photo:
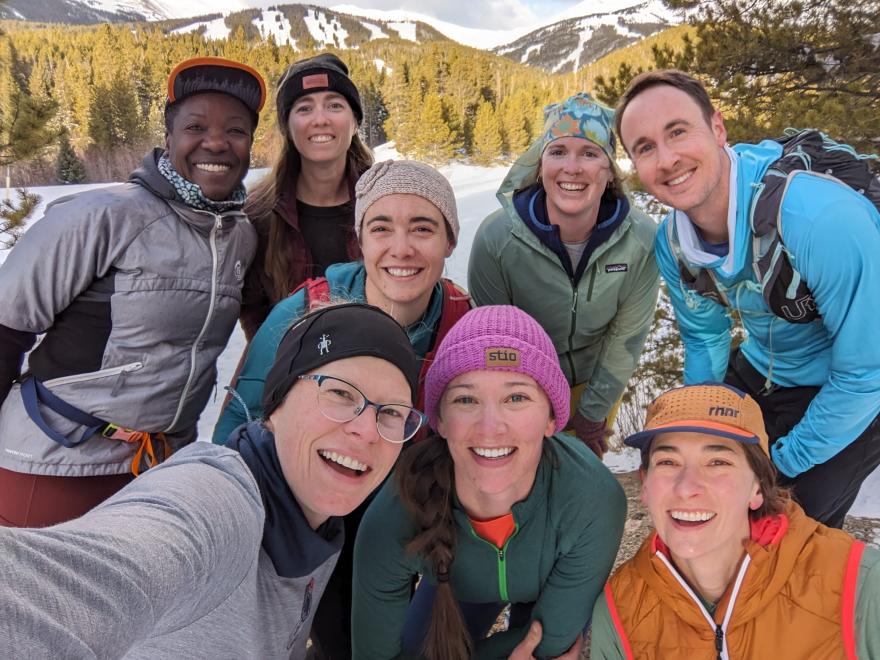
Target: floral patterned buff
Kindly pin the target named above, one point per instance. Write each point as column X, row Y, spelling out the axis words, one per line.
column 580, row 116
column 192, row 195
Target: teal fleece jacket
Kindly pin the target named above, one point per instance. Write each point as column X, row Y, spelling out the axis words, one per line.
column 567, row 534
column 832, row 235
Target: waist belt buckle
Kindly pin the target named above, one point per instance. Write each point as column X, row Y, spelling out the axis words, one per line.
column 115, row 432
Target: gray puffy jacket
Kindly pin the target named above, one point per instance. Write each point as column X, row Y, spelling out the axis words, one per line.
column 137, row 295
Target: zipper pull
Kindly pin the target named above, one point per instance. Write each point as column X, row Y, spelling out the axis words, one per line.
column 574, row 302
column 501, row 554
column 219, row 223
column 719, row 641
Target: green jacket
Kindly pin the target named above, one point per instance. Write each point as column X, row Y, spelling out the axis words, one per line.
column 567, row 533
column 598, row 326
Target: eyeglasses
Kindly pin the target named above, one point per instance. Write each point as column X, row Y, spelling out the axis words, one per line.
column 340, row 401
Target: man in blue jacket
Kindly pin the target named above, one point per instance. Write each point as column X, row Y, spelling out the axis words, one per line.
column 818, row 383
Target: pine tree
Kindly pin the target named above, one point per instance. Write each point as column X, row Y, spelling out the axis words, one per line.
column 24, row 132
column 13, row 216
column 68, row 167
column 514, row 113
column 433, row 141
column 24, row 120
column 487, row 142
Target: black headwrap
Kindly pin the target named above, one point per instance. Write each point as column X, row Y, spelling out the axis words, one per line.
column 335, row 333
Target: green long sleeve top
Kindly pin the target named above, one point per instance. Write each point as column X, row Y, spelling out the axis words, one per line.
column 567, row 534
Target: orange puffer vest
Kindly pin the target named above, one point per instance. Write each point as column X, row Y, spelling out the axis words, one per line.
column 793, row 598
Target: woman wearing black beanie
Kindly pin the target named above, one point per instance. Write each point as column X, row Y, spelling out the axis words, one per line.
column 303, row 209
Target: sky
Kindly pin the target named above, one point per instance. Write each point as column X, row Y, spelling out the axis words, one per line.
column 500, row 14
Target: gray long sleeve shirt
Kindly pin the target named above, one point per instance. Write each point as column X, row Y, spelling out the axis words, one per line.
column 169, row 567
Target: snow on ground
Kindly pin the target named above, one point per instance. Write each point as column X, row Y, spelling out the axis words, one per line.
column 215, row 29
column 275, row 23
column 475, row 193
column 328, row 32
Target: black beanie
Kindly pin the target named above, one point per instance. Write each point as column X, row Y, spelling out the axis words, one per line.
column 321, row 73
column 335, row 333
column 199, row 75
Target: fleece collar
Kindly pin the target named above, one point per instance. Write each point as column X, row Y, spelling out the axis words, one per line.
column 531, row 206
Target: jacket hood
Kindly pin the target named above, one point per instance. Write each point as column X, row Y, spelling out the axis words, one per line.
column 148, row 176
column 749, row 163
column 522, row 196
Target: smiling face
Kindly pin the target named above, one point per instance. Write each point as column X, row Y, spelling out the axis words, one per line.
column 699, row 490
column 321, row 126
column 332, row 467
column 574, row 173
column 495, row 423
column 210, row 143
column 679, row 155
column 405, row 243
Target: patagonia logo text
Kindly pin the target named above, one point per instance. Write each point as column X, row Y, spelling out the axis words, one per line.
column 616, row 268
column 316, row 80
column 502, row 357
column 720, row 411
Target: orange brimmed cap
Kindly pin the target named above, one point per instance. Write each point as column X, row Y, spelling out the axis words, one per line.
column 712, row 408
column 217, row 74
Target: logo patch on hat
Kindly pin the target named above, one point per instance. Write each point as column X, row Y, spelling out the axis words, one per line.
column 316, row 80
column 502, row 357
column 324, row 345
column 721, row 411
column 616, row 268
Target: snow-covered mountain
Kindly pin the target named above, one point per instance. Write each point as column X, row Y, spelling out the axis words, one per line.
column 561, row 43
column 580, row 37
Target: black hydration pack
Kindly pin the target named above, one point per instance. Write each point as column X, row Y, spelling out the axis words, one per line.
column 784, row 290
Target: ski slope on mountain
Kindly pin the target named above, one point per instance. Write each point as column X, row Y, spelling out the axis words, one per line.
column 475, row 195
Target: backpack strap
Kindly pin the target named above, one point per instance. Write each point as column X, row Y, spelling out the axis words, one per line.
column 785, row 292
column 848, row 599
column 316, row 291
column 700, row 280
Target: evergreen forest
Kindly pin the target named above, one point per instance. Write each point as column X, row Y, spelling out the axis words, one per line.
column 83, row 103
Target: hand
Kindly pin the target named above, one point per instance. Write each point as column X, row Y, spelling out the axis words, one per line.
column 525, row 648
column 593, row 434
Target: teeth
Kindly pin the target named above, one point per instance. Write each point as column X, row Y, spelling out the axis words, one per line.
column 573, row 187
column 212, row 167
column 692, row 516
column 345, row 461
column 402, row 272
column 321, row 138
column 680, row 179
column 492, row 453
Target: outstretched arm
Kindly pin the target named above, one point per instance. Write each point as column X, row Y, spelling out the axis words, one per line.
column 159, row 554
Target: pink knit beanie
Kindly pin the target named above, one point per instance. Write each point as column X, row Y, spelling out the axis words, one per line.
column 498, row 338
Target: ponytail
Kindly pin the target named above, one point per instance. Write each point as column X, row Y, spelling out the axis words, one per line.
column 425, row 482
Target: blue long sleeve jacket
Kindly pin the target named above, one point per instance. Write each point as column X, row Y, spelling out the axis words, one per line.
column 832, row 235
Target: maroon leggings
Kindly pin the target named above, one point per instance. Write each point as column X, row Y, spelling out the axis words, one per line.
column 36, row 500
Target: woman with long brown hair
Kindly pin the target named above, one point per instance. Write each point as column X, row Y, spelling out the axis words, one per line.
column 492, row 510
column 303, row 209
